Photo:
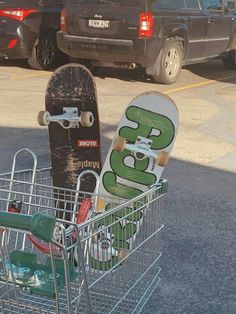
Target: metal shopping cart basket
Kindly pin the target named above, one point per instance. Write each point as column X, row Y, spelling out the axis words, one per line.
column 106, row 263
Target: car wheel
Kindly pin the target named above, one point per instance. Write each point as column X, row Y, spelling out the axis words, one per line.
column 45, row 54
column 230, row 60
column 169, row 63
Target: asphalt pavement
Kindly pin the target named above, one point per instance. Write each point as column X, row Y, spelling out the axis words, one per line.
column 199, row 212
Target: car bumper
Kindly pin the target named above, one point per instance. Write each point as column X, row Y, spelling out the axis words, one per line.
column 20, row 51
column 103, row 49
column 23, row 46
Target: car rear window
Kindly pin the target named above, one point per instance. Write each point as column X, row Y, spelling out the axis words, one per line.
column 165, row 4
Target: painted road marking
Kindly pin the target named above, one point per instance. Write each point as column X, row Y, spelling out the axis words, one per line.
column 169, row 91
column 198, row 84
column 31, row 75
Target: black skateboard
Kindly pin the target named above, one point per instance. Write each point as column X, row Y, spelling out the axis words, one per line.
column 73, row 123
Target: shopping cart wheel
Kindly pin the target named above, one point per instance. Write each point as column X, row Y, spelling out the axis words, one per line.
column 162, row 159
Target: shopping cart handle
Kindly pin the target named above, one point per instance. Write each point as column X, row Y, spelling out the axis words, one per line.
column 40, row 225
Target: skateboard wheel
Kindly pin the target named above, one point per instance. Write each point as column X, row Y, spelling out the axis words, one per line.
column 162, row 159
column 119, row 144
column 43, row 118
column 122, row 254
column 87, row 119
column 57, row 233
column 101, row 205
column 95, row 238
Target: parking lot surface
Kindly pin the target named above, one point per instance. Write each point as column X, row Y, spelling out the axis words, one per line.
column 198, row 241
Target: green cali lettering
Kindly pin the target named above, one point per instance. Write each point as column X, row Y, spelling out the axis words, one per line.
column 129, row 213
column 103, row 265
column 120, row 232
column 147, row 122
column 120, row 190
column 133, row 174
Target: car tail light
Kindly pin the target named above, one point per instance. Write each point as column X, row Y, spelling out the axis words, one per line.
column 145, row 24
column 63, row 20
column 17, row 14
column 12, row 43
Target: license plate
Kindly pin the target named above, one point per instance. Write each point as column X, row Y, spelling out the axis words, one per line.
column 98, row 23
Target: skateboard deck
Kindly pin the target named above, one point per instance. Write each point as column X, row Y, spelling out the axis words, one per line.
column 73, row 124
column 135, row 161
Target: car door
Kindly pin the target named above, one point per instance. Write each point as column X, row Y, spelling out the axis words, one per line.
column 219, row 26
column 195, row 21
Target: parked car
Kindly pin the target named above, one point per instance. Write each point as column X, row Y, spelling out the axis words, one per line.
column 158, row 35
column 28, row 31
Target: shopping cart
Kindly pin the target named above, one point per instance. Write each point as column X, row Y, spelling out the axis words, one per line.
column 85, row 267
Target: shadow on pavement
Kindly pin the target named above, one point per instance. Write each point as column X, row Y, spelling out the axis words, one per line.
column 198, row 241
column 21, row 63
column 137, row 75
column 212, row 70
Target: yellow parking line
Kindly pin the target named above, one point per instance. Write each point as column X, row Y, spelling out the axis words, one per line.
column 30, row 75
column 199, row 84
column 168, row 91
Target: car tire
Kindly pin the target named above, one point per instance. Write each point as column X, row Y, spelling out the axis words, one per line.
column 230, row 60
column 45, row 54
column 168, row 66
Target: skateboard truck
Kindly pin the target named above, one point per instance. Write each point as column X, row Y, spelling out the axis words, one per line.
column 69, row 119
column 141, row 149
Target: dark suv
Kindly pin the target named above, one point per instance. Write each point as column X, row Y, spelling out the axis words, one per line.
column 28, row 31
column 158, row 35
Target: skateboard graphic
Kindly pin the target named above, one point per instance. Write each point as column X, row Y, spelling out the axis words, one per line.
column 135, row 161
column 73, row 123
